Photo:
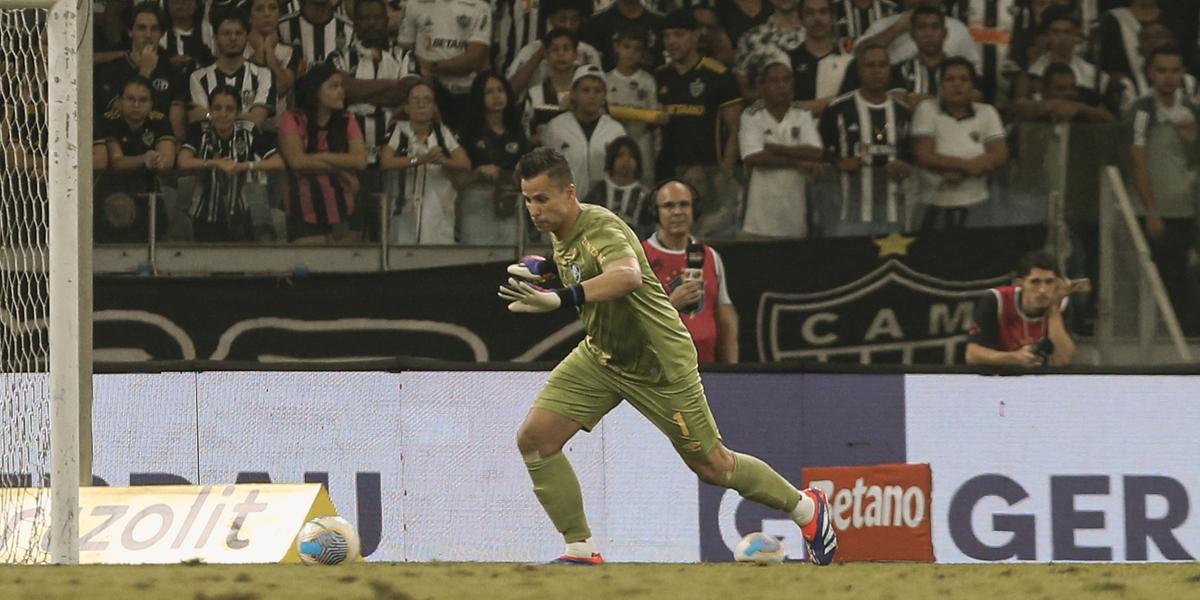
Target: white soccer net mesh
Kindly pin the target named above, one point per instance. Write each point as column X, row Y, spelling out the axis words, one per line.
column 24, row 300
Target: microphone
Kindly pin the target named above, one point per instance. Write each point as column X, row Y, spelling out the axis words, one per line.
column 694, row 271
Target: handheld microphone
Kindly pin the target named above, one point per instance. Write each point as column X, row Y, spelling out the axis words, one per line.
column 695, row 271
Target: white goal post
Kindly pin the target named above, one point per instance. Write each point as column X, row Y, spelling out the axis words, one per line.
column 68, row 260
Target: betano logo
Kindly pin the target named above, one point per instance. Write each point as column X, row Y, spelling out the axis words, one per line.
column 881, row 512
column 874, row 505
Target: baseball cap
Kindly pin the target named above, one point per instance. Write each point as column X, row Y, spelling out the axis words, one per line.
column 587, row 71
column 681, row 18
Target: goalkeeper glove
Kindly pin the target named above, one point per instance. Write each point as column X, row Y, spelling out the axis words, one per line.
column 534, row 268
column 525, row 297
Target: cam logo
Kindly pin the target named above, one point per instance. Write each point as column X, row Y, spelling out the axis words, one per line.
column 893, row 314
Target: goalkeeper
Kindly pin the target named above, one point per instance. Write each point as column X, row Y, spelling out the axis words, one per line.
column 636, row 349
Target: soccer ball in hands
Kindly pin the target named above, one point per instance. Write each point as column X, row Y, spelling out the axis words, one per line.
column 328, row 540
column 759, row 548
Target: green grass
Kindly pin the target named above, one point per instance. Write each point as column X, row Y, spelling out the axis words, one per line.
column 625, row 581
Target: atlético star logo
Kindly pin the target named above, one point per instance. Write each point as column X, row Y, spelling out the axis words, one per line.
column 576, row 273
column 240, row 147
column 147, row 137
column 247, row 97
column 464, row 21
column 696, row 88
column 975, row 136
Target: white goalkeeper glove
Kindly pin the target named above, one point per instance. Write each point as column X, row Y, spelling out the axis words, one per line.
column 525, row 297
column 534, row 268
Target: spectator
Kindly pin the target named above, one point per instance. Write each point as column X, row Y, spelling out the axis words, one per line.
column 427, row 153
column 714, row 42
column 140, row 145
column 853, row 17
column 529, row 66
column 702, row 101
column 1023, row 325
column 601, row 31
column 323, row 148
column 1062, row 100
column 494, row 137
column 189, row 40
column 451, row 47
column 376, row 74
column 866, row 137
column 893, row 32
column 991, row 25
column 784, row 30
column 253, row 82
column 316, row 30
column 702, row 299
column 1028, row 31
column 518, row 22
column 621, row 190
column 1118, row 37
column 233, row 153
column 957, row 143
column 740, row 16
column 1062, row 38
column 919, row 74
column 168, row 90
column 1163, row 169
column 111, row 40
column 551, row 96
column 632, row 99
column 818, row 64
column 582, row 134
column 779, row 141
column 264, row 49
column 1153, row 35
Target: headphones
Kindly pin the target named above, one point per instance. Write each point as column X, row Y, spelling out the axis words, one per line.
column 690, row 188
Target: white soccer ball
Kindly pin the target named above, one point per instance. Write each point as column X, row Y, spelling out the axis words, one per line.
column 761, row 548
column 328, row 540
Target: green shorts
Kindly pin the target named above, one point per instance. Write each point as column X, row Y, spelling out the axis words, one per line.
column 583, row 390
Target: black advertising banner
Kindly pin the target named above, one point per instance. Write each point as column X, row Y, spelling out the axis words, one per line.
column 885, row 300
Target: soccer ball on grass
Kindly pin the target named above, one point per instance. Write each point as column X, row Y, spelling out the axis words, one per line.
column 761, row 548
column 328, row 540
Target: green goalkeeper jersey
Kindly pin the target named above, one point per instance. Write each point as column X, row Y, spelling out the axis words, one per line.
column 639, row 335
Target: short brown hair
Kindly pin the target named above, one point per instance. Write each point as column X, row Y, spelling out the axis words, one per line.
column 548, row 161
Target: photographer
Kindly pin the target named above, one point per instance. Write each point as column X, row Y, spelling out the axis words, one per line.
column 1023, row 324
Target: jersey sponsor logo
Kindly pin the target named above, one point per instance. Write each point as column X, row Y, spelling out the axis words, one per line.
column 447, row 43
column 160, row 84
column 512, row 148
column 893, row 310
column 694, row 110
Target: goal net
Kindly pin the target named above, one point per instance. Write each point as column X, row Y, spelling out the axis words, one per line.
column 45, row 276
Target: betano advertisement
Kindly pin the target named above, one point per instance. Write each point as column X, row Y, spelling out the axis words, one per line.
column 1036, row 468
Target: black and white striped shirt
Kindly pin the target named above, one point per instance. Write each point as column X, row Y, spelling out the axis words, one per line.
column 255, row 83
column 394, row 63
column 917, row 77
column 518, row 22
column 219, row 194
column 851, row 21
column 316, row 42
column 876, row 134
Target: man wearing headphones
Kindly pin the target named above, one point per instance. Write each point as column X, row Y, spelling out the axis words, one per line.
column 692, row 274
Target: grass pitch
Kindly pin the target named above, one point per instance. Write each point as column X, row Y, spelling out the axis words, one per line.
column 625, row 581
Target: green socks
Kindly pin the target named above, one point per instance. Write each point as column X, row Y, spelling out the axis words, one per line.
column 557, row 488
column 756, row 480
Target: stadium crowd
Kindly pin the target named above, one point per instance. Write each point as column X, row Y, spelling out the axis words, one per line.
column 338, row 121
